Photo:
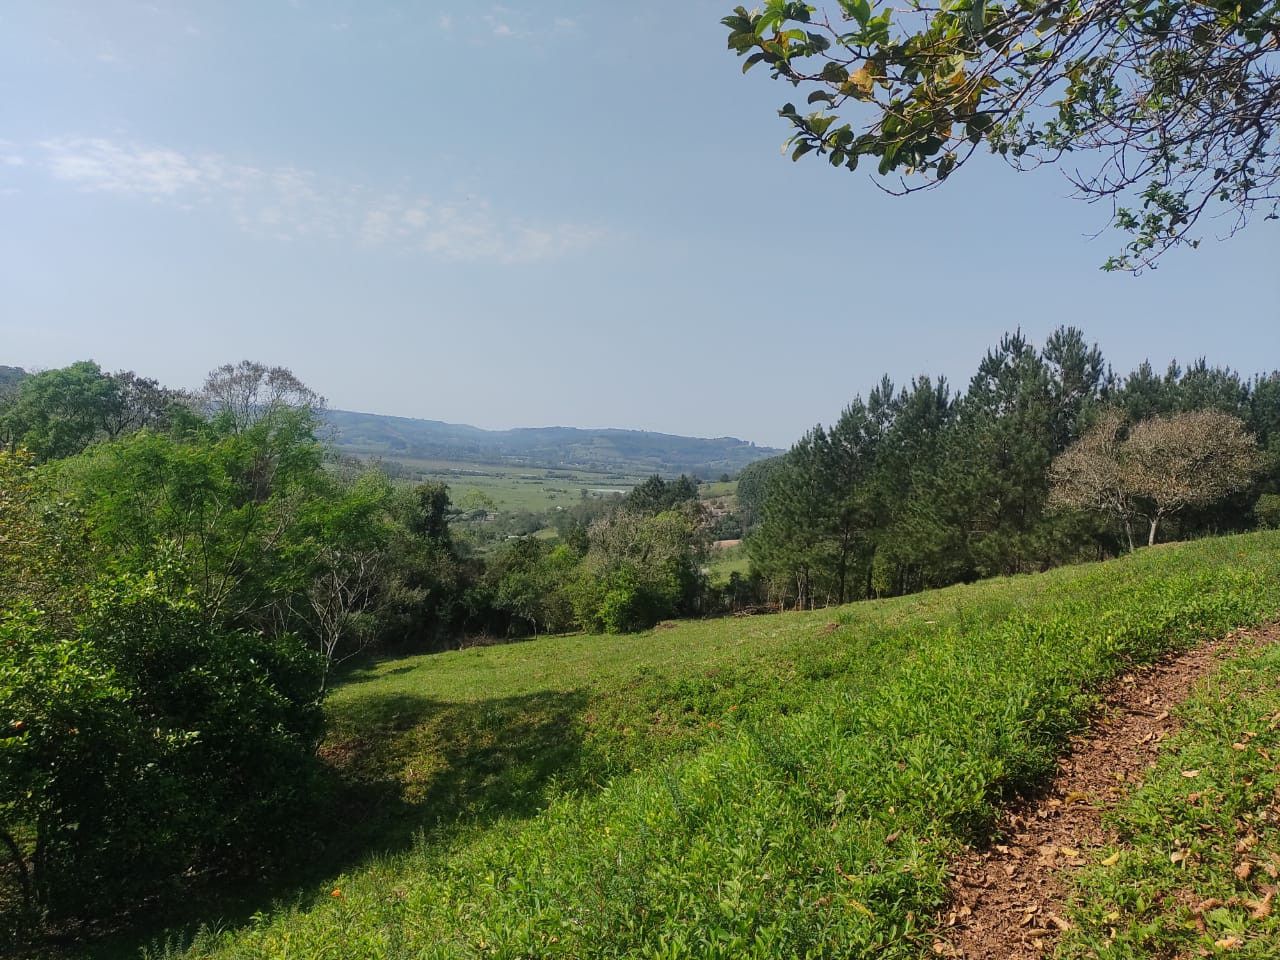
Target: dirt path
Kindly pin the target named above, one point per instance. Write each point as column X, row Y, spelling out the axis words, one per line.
column 1009, row 901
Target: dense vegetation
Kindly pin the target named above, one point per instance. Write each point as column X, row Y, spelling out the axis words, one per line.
column 181, row 576
column 919, row 487
column 185, row 577
column 788, row 785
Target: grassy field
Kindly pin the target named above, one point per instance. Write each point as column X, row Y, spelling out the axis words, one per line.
column 787, row 785
column 724, row 562
column 1196, row 873
column 512, row 489
column 717, row 489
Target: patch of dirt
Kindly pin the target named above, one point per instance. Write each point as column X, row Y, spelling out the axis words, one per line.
column 1009, row 900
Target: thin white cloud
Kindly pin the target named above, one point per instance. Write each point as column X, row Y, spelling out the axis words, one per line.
column 498, row 24
column 509, row 23
column 9, row 157
column 292, row 203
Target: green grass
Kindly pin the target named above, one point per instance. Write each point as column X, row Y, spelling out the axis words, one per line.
column 1171, row 887
column 722, row 563
column 513, row 488
column 788, row 785
column 717, row 489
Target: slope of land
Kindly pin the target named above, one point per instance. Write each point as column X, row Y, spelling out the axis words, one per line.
column 1192, row 863
column 625, row 452
column 1010, row 899
column 789, row 785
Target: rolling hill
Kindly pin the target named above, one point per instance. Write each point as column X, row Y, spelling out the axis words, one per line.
column 796, row 784
column 608, row 450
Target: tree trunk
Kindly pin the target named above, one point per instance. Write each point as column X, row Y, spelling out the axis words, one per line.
column 1151, row 538
column 24, row 874
column 1128, row 533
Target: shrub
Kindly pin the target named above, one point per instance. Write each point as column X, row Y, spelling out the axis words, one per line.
column 140, row 742
column 625, row 606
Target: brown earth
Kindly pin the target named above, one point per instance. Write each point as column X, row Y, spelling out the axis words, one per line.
column 1009, row 900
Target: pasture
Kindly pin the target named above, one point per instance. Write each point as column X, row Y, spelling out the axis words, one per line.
column 791, row 784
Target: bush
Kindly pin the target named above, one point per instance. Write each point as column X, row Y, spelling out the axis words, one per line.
column 1267, row 510
column 139, row 745
column 625, row 606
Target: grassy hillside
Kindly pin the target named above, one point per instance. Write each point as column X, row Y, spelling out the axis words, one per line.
column 618, row 451
column 788, row 785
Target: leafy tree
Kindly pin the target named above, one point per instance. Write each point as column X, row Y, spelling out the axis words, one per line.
column 1267, row 511
column 531, row 582
column 725, row 526
column 1176, row 100
column 42, row 546
column 1187, row 460
column 786, row 547
column 144, row 404
column 336, row 557
column 1163, row 466
column 248, row 392
column 640, row 569
column 10, row 377
column 753, row 490
column 655, row 494
column 425, row 585
column 220, row 507
column 144, row 745
column 1090, row 475
column 58, row 413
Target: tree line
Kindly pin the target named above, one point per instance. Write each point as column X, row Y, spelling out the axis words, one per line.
column 180, row 576
column 1047, row 457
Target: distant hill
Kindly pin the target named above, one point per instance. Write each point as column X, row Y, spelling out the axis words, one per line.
column 10, row 377
column 630, row 452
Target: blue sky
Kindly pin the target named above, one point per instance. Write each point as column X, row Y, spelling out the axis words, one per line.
column 524, row 214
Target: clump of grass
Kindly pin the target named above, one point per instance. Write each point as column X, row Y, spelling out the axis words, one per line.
column 759, row 789
column 1195, row 871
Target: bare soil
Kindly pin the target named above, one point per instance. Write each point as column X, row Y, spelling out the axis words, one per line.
column 1009, row 900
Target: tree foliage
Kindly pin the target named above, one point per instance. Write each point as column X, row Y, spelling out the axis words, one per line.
column 144, row 742
column 1177, row 104
column 917, row 487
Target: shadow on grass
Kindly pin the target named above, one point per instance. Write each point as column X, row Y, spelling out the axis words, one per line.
column 394, row 767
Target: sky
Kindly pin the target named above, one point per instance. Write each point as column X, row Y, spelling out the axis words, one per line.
column 526, row 214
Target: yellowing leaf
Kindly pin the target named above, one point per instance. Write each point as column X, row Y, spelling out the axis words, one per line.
column 859, row 84
column 1261, row 909
column 1112, row 860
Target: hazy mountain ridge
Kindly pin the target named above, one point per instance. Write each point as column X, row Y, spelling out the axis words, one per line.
column 609, row 449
